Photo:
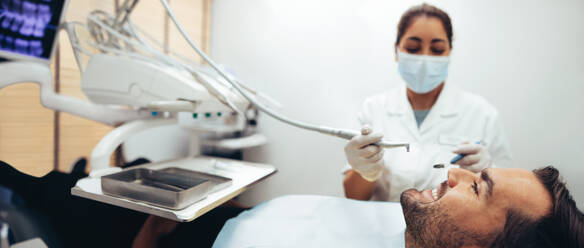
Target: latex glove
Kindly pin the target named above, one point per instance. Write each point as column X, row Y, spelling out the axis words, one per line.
column 477, row 157
column 365, row 158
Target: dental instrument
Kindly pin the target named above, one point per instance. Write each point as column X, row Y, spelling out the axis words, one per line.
column 439, row 166
column 460, row 156
column 452, row 161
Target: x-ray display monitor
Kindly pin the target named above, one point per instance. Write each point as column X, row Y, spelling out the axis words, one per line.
column 28, row 28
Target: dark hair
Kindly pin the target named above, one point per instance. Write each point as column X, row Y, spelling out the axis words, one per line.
column 563, row 227
column 423, row 10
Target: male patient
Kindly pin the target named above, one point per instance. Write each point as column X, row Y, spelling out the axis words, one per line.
column 495, row 208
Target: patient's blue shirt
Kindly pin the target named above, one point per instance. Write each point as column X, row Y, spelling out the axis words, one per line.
column 316, row 221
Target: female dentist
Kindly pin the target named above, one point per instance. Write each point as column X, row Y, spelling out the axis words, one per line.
column 437, row 119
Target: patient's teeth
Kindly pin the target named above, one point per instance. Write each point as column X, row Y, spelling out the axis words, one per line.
column 435, row 194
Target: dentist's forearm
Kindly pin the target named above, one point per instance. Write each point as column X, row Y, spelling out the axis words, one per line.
column 356, row 187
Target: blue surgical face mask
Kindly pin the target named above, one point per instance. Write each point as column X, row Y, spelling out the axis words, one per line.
column 422, row 73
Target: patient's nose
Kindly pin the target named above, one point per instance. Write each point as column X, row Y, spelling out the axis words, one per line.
column 456, row 175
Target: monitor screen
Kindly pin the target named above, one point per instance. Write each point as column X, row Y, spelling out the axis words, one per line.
column 29, row 27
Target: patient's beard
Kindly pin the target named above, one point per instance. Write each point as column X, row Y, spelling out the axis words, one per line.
column 429, row 225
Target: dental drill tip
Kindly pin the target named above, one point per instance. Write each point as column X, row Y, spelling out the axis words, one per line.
column 438, row 166
column 408, row 148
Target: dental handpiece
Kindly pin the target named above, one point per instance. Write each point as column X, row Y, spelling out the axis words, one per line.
column 349, row 134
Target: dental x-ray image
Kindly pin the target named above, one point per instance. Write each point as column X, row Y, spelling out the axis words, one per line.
column 29, row 27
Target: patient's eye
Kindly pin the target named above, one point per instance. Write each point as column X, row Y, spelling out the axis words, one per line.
column 475, row 187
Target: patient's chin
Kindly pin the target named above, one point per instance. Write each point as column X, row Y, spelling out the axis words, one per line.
column 424, row 222
column 409, row 199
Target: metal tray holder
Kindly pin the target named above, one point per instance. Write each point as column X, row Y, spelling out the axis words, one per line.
column 167, row 188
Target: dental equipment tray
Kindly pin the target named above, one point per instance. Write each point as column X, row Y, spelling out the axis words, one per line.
column 172, row 188
column 239, row 176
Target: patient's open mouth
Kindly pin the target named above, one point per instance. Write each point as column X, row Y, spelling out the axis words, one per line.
column 437, row 193
column 433, row 195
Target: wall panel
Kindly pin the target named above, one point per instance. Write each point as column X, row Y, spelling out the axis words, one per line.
column 77, row 136
column 26, row 130
column 192, row 16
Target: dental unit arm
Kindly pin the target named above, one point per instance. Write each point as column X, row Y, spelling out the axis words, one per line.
column 41, row 74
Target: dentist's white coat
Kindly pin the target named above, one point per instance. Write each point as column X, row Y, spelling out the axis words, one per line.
column 457, row 116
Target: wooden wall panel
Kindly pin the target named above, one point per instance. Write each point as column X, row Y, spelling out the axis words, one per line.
column 149, row 16
column 26, row 130
column 77, row 136
column 193, row 16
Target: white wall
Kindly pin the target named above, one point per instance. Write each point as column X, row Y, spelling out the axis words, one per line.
column 320, row 59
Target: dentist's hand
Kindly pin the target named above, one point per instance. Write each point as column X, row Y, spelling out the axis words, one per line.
column 477, row 157
column 364, row 157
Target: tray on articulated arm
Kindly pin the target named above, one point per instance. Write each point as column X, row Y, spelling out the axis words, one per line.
column 157, row 188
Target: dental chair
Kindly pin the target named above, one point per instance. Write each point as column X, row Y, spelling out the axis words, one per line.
column 43, row 208
column 19, row 223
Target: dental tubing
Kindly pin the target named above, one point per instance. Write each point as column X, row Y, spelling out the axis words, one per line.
column 341, row 133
